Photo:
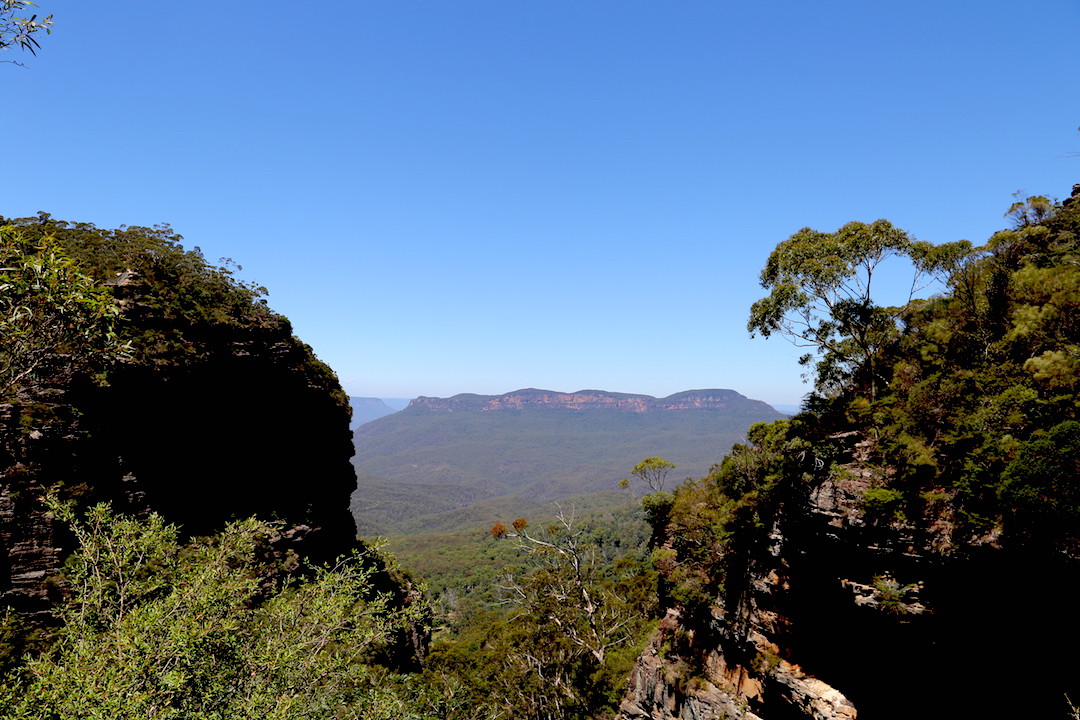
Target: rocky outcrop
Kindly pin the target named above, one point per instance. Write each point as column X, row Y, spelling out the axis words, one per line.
column 30, row 553
column 668, row 687
column 660, row 690
column 814, row 698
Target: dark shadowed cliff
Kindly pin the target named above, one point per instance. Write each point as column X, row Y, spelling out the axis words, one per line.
column 208, row 409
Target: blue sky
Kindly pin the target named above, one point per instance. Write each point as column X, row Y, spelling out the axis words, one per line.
column 467, row 196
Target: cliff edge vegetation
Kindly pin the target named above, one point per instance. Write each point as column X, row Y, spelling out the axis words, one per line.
column 919, row 514
column 175, row 539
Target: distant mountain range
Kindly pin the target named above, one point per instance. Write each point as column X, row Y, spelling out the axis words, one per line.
column 439, row 456
column 366, row 409
column 727, row 401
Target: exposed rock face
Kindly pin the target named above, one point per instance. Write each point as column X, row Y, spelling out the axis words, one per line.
column 660, row 689
column 873, row 608
column 654, row 693
column 814, row 698
column 29, row 552
column 594, row 399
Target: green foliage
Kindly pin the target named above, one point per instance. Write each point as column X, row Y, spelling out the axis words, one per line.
column 571, row 610
column 52, row 316
column 891, row 596
column 176, row 307
column 1030, row 211
column 965, row 388
column 694, row 567
column 514, row 634
column 215, row 629
column 821, row 296
column 1039, row 487
column 984, row 374
column 710, row 531
column 882, row 504
column 653, row 471
column 461, row 567
column 657, row 507
column 19, row 25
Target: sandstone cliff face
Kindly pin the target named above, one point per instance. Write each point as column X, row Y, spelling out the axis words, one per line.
column 665, row 686
column 659, row 690
column 724, row 692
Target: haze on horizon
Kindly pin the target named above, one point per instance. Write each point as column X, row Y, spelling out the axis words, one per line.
column 482, row 197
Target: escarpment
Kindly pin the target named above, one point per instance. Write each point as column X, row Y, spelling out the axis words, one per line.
column 727, row 401
column 209, row 410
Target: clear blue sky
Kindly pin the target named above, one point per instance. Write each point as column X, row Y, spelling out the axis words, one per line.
column 462, row 196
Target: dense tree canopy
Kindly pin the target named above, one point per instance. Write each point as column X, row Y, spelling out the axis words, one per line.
column 964, row 405
column 173, row 302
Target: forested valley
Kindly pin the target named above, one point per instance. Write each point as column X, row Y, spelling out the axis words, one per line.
column 176, row 542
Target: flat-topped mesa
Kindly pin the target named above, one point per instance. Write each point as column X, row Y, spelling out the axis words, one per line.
column 712, row 399
column 540, row 445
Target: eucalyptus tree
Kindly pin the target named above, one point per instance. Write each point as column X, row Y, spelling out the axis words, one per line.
column 574, row 618
column 821, row 295
column 654, row 471
column 19, row 25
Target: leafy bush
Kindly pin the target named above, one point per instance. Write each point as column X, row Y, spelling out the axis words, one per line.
column 657, row 507
column 212, row 629
column 882, row 504
column 1039, row 487
column 890, row 595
